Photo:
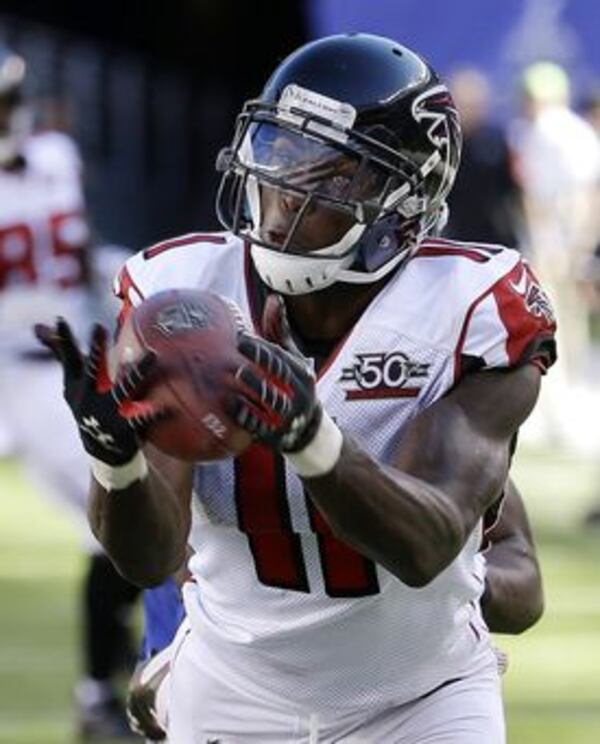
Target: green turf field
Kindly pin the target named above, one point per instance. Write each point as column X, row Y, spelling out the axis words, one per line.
column 552, row 687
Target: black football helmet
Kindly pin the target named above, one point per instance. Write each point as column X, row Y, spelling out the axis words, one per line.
column 357, row 142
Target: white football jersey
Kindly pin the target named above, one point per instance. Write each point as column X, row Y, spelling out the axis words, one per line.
column 43, row 234
column 287, row 611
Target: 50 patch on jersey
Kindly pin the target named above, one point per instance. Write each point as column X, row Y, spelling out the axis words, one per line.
column 384, row 375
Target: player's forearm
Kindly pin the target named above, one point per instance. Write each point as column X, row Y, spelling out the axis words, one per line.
column 403, row 523
column 513, row 600
column 142, row 528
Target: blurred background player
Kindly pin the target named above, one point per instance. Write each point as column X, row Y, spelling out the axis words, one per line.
column 484, row 204
column 557, row 163
column 45, row 267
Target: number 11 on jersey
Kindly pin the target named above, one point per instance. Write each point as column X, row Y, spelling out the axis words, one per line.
column 264, row 516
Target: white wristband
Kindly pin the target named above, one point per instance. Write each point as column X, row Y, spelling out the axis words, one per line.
column 321, row 454
column 116, row 478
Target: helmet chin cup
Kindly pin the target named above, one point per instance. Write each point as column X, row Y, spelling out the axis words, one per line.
column 291, row 274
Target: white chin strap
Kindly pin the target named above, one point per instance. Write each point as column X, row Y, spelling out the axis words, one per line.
column 292, row 274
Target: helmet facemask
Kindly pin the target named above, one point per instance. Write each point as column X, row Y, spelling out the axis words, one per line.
column 350, row 197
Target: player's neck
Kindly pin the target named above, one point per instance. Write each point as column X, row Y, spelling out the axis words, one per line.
column 328, row 315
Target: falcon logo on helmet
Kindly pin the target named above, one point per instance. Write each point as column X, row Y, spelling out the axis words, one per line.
column 436, row 106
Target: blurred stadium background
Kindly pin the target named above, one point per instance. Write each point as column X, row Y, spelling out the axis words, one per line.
column 149, row 91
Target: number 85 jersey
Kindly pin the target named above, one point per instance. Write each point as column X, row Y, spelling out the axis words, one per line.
column 282, row 610
column 43, row 239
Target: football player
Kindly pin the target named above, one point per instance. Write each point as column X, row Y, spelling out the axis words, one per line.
column 44, row 239
column 336, row 569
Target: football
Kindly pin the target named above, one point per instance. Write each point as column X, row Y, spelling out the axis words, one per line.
column 193, row 334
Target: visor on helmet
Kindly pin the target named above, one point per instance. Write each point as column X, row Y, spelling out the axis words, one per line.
column 327, row 186
column 295, row 161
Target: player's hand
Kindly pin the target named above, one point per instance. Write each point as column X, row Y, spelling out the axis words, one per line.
column 276, row 398
column 111, row 417
column 142, row 695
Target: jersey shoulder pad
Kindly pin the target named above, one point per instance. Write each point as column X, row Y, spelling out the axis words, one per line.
column 198, row 260
column 509, row 324
column 469, row 267
column 433, row 293
column 480, row 302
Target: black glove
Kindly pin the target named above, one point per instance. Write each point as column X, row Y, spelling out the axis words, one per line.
column 276, row 401
column 110, row 417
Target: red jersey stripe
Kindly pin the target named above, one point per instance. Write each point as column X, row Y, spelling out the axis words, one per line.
column 167, row 245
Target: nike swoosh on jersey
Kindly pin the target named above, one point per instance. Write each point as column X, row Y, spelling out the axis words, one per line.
column 520, row 287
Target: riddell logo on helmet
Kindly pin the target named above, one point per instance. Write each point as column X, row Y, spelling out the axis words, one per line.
column 295, row 96
column 379, row 375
